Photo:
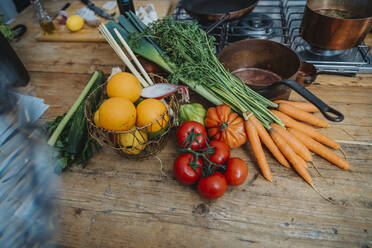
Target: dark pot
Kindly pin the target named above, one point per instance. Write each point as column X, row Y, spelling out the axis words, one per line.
column 12, row 71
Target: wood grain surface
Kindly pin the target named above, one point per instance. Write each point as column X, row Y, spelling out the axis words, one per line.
column 114, row 202
column 89, row 33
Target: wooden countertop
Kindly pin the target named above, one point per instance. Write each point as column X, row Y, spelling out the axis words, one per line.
column 114, row 202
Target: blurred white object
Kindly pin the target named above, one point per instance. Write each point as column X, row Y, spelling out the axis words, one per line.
column 89, row 16
column 114, row 70
column 30, row 108
column 27, row 179
column 147, row 14
column 109, row 5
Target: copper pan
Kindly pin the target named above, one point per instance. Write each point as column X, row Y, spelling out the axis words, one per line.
column 336, row 33
column 213, row 10
column 218, row 11
column 274, row 61
column 263, row 54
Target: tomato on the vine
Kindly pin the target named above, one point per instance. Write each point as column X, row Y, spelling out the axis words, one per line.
column 212, row 187
column 221, row 153
column 184, row 172
column 236, row 171
column 191, row 126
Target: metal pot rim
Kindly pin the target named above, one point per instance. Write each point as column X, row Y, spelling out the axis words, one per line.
column 308, row 3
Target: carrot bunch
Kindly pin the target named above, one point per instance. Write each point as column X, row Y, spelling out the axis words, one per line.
column 292, row 145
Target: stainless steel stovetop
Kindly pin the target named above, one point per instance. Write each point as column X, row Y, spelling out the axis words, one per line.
column 280, row 21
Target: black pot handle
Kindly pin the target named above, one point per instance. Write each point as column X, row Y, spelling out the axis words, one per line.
column 312, row 78
column 223, row 18
column 324, row 108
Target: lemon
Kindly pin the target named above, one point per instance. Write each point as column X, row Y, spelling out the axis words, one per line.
column 74, row 23
column 133, row 142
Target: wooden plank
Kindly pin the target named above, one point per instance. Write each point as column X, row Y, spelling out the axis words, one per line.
column 101, row 210
column 66, row 57
column 360, row 80
column 89, row 33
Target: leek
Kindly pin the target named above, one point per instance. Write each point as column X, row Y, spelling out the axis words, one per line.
column 55, row 135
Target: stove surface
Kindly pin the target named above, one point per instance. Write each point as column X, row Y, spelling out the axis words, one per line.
column 280, row 21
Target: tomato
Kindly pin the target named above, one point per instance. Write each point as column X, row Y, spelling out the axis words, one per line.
column 221, row 153
column 212, row 187
column 184, row 172
column 186, row 128
column 236, row 172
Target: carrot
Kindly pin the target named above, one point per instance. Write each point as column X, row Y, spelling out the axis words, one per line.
column 304, row 106
column 310, row 131
column 295, row 144
column 302, row 115
column 321, row 150
column 296, row 161
column 269, row 143
column 258, row 152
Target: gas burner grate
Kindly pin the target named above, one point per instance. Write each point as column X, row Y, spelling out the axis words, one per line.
column 281, row 23
column 244, row 28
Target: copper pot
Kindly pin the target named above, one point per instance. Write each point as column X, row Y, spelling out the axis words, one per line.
column 324, row 24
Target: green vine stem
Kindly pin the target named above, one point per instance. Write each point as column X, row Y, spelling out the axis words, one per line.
column 209, row 167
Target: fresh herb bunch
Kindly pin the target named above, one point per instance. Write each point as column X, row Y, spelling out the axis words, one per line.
column 5, row 29
column 208, row 167
column 69, row 133
column 192, row 52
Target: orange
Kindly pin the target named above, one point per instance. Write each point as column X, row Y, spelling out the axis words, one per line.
column 117, row 114
column 151, row 110
column 124, row 84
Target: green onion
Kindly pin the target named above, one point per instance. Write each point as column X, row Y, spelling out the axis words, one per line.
column 142, row 46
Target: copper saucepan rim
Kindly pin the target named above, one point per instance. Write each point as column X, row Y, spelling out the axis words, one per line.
column 339, row 18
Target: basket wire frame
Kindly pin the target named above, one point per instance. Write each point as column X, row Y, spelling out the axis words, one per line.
column 140, row 144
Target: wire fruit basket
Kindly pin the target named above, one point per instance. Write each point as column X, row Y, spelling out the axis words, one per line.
column 138, row 143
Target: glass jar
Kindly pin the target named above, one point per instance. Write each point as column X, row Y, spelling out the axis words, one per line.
column 46, row 22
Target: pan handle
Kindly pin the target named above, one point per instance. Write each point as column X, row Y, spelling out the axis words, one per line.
column 324, row 108
column 223, row 18
column 344, row 74
column 310, row 79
